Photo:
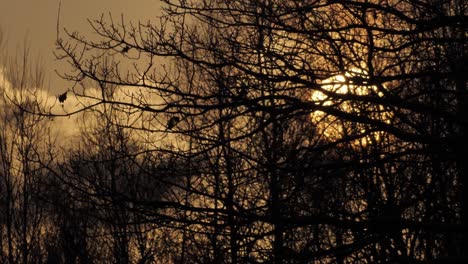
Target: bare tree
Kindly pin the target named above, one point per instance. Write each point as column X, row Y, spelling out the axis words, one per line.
column 380, row 86
column 25, row 146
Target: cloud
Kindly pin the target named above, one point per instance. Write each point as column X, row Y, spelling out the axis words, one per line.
column 68, row 118
column 67, row 128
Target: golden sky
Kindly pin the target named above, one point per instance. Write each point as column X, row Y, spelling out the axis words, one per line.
column 36, row 21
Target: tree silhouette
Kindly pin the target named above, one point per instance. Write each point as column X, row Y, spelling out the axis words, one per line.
column 24, row 145
column 312, row 131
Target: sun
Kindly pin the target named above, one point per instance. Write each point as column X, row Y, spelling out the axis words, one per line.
column 332, row 128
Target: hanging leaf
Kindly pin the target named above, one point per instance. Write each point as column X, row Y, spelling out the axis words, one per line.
column 125, row 49
column 62, row 97
column 172, row 122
